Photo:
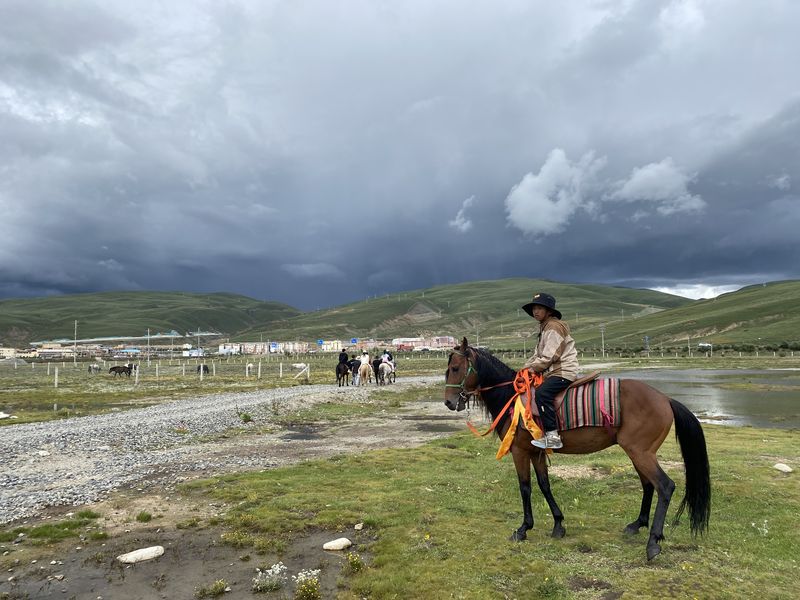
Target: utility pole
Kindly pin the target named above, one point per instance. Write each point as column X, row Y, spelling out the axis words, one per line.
column 603, row 340
column 74, row 345
column 148, row 346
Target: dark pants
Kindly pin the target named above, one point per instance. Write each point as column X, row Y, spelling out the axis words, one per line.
column 546, row 396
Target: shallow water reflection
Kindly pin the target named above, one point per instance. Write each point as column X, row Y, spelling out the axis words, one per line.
column 730, row 397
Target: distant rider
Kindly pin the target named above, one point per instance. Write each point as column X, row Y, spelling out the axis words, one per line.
column 387, row 358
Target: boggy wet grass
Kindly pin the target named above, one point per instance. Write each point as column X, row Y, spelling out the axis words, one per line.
column 440, row 516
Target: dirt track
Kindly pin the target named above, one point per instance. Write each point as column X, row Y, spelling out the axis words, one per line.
column 194, row 557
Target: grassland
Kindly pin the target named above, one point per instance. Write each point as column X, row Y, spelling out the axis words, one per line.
column 485, row 308
column 131, row 313
column 29, row 393
column 758, row 315
column 440, row 517
column 764, row 316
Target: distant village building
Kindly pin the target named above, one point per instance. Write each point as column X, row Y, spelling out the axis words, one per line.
column 417, row 343
column 54, row 351
column 443, row 341
column 409, row 343
column 8, row 352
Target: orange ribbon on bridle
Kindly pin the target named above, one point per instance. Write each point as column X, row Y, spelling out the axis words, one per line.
column 522, row 382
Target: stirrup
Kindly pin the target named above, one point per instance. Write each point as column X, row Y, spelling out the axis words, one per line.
column 548, row 442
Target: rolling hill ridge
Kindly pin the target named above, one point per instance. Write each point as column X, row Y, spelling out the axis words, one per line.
column 487, row 312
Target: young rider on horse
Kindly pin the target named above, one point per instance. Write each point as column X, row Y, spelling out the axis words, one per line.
column 556, row 359
column 387, row 358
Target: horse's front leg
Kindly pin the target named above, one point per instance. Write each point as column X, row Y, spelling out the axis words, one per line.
column 540, row 466
column 522, row 463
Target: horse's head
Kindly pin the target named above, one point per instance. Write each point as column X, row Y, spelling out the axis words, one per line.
column 461, row 378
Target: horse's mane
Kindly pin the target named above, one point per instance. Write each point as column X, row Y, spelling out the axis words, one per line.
column 492, row 371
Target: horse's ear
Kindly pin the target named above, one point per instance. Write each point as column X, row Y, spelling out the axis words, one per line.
column 464, row 344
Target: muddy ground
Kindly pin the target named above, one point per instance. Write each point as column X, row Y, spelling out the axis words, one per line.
column 88, row 569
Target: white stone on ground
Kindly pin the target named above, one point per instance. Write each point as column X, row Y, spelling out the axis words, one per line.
column 782, row 468
column 141, row 554
column 338, row 544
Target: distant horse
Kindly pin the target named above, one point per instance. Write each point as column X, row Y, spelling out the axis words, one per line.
column 364, row 374
column 386, row 373
column 94, row 368
column 646, row 418
column 376, row 371
column 342, row 374
column 204, row 368
column 119, row 371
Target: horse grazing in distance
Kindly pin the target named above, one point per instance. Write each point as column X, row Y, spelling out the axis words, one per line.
column 119, row 371
column 94, row 368
column 204, row 368
column 342, row 374
column 646, row 416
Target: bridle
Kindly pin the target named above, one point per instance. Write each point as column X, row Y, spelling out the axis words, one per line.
column 464, row 395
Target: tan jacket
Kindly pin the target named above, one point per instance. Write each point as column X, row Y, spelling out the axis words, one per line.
column 555, row 353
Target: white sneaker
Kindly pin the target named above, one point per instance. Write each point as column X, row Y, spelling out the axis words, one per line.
column 550, row 441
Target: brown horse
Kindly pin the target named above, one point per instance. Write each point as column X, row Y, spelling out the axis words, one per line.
column 646, row 418
column 342, row 374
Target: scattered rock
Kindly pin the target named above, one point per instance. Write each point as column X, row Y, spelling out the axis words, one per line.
column 338, row 544
column 141, row 554
column 782, row 468
column 359, row 526
column 4, row 415
column 43, row 453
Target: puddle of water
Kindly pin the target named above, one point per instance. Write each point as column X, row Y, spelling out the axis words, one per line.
column 708, row 395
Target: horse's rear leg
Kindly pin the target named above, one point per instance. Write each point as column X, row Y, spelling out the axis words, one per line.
column 647, row 465
column 540, row 466
column 644, row 512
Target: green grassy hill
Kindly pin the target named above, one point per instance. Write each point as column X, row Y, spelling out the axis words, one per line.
column 760, row 315
column 486, row 311
column 25, row 320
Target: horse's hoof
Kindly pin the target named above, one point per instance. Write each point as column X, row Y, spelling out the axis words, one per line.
column 518, row 536
column 653, row 550
column 632, row 529
column 558, row 533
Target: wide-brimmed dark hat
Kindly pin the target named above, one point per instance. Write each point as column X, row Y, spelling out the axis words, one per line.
column 542, row 299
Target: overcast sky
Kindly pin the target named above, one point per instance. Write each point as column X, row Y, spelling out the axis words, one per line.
column 316, row 152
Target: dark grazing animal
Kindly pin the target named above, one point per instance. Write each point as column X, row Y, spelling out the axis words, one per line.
column 119, row 371
column 204, row 368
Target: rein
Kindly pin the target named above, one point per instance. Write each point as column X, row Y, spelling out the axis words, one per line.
column 523, row 381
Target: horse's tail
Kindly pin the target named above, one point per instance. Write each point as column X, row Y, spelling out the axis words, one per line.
column 690, row 437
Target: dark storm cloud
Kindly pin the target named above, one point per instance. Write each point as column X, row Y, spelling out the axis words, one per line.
column 316, row 153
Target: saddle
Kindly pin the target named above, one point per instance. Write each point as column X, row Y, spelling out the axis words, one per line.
column 562, row 394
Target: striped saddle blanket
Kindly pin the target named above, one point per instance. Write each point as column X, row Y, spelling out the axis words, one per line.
column 595, row 404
